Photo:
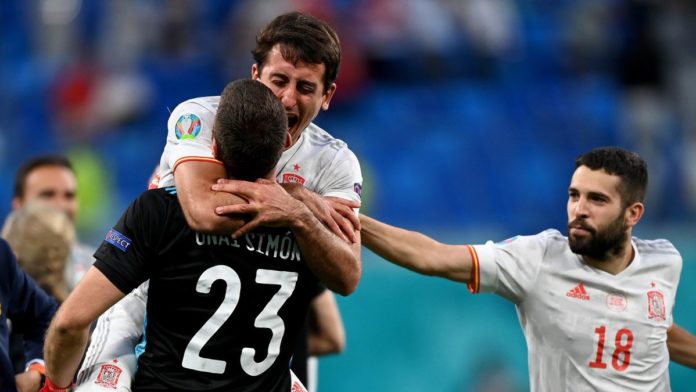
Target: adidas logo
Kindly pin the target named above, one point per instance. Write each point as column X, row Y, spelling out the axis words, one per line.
column 578, row 292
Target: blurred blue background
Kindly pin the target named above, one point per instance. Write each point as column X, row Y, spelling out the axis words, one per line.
column 466, row 116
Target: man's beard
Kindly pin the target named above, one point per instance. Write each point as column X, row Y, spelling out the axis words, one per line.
column 599, row 245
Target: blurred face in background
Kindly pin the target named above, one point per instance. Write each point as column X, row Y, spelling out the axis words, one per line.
column 55, row 185
column 300, row 87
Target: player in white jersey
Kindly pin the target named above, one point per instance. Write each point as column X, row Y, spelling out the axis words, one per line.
column 595, row 306
column 301, row 74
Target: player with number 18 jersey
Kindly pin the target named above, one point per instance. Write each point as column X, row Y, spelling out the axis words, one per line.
column 586, row 329
column 223, row 314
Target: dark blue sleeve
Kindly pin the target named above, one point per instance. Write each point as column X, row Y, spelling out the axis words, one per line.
column 27, row 302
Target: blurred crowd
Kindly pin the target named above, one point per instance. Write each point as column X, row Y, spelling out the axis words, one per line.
column 434, row 95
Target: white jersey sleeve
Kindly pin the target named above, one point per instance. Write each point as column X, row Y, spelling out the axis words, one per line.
column 508, row 268
column 110, row 360
column 189, row 136
column 343, row 177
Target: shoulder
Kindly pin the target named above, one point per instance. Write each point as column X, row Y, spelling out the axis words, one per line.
column 545, row 243
column 657, row 251
column 200, row 104
column 155, row 201
column 318, row 137
column 203, row 108
column 327, row 149
column 658, row 246
column 549, row 238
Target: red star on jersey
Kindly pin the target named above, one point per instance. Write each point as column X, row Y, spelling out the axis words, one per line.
column 652, row 284
column 296, row 167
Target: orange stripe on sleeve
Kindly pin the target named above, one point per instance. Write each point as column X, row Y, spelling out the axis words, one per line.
column 191, row 159
column 474, row 285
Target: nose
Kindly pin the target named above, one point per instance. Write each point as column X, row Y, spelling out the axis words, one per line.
column 580, row 208
column 288, row 98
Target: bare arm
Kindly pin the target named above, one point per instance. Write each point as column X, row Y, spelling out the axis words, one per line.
column 194, row 180
column 326, row 332
column 69, row 331
column 681, row 346
column 335, row 262
column 416, row 251
column 336, row 213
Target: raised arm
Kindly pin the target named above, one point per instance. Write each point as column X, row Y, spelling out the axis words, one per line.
column 334, row 261
column 194, row 180
column 416, row 251
column 682, row 346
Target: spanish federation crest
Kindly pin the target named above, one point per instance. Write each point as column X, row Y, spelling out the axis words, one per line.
column 656, row 306
column 293, row 177
column 108, row 376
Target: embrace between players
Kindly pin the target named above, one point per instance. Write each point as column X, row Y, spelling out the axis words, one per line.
column 255, row 214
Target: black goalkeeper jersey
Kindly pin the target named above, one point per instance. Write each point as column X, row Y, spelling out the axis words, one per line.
column 222, row 314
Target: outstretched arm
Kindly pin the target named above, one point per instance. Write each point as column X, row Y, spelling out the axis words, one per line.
column 416, row 251
column 334, row 261
column 69, row 331
column 682, row 346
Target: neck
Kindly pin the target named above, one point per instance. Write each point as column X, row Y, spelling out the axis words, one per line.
column 616, row 262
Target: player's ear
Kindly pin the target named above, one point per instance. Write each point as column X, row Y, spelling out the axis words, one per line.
column 326, row 99
column 255, row 71
column 633, row 213
column 288, row 140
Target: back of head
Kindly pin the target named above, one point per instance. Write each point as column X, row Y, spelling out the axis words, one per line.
column 627, row 165
column 41, row 236
column 250, row 129
column 303, row 38
column 34, row 163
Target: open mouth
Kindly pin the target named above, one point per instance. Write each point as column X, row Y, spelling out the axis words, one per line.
column 292, row 120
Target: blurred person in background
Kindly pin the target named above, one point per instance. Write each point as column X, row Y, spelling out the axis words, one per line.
column 41, row 237
column 30, row 310
column 297, row 56
column 153, row 240
column 51, row 178
column 595, row 306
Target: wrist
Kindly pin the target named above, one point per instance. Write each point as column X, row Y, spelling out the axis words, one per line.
column 302, row 218
column 38, row 367
column 49, row 386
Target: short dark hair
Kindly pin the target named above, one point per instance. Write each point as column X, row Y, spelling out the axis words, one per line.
column 250, row 129
column 35, row 163
column 303, row 38
column 629, row 166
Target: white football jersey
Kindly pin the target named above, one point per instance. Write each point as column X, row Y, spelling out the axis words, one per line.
column 586, row 329
column 322, row 163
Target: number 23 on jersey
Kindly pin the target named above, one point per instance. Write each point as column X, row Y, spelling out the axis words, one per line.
column 268, row 318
